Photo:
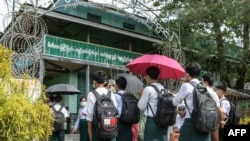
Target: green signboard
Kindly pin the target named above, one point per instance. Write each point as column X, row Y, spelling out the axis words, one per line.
column 71, row 49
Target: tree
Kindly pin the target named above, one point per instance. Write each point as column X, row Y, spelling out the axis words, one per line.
column 23, row 117
column 204, row 25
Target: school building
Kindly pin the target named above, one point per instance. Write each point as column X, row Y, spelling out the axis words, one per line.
column 84, row 38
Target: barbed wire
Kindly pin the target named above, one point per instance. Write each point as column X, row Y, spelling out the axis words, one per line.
column 25, row 37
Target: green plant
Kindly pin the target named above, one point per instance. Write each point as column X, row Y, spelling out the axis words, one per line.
column 22, row 118
column 245, row 120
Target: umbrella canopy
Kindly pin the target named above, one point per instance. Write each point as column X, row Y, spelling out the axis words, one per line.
column 169, row 68
column 62, row 89
column 133, row 82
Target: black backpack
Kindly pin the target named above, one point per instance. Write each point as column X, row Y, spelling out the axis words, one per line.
column 105, row 116
column 130, row 113
column 234, row 116
column 166, row 112
column 58, row 119
column 205, row 113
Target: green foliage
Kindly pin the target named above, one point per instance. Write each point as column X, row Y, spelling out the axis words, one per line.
column 203, row 38
column 245, row 120
column 21, row 118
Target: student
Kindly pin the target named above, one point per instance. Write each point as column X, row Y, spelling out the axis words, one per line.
column 51, row 101
column 59, row 135
column 188, row 131
column 81, row 122
column 207, row 81
column 174, row 136
column 99, row 78
column 225, row 106
column 180, row 118
column 67, row 123
column 111, row 85
column 124, row 130
column 150, row 96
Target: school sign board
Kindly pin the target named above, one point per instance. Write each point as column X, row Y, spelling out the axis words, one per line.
column 76, row 50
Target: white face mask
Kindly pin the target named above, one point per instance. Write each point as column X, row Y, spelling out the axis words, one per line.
column 83, row 104
column 51, row 103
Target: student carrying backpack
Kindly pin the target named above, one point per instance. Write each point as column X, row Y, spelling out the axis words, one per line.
column 59, row 119
column 130, row 113
column 166, row 112
column 205, row 114
column 233, row 117
column 105, row 116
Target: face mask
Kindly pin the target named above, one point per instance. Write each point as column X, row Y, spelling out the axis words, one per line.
column 83, row 104
column 51, row 103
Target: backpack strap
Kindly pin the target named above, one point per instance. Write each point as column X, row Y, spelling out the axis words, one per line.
column 157, row 90
column 60, row 109
column 194, row 85
column 97, row 95
column 119, row 94
column 53, row 108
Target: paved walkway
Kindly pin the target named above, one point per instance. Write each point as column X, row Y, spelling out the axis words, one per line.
column 76, row 137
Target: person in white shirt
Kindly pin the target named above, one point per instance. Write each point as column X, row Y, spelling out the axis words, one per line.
column 152, row 132
column 225, row 106
column 99, row 80
column 81, row 122
column 60, row 135
column 180, row 118
column 188, row 130
column 207, row 81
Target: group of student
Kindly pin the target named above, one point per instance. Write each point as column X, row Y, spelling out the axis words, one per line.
column 185, row 131
column 149, row 96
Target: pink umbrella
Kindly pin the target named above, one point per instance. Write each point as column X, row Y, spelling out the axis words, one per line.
column 169, row 68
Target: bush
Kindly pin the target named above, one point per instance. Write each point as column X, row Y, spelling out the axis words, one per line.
column 245, row 120
column 22, row 118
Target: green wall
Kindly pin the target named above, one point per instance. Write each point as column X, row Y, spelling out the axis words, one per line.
column 69, row 78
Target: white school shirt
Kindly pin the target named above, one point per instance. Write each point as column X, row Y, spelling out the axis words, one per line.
column 214, row 96
column 119, row 101
column 149, row 96
column 186, row 92
column 81, row 115
column 225, row 106
column 179, row 122
column 64, row 111
column 91, row 101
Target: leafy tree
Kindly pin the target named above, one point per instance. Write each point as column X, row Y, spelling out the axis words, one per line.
column 208, row 32
column 22, row 116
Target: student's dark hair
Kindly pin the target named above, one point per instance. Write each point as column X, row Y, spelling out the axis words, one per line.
column 153, row 72
column 58, row 98
column 100, row 77
column 83, row 97
column 208, row 79
column 51, row 98
column 193, row 69
column 221, row 87
column 121, row 82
